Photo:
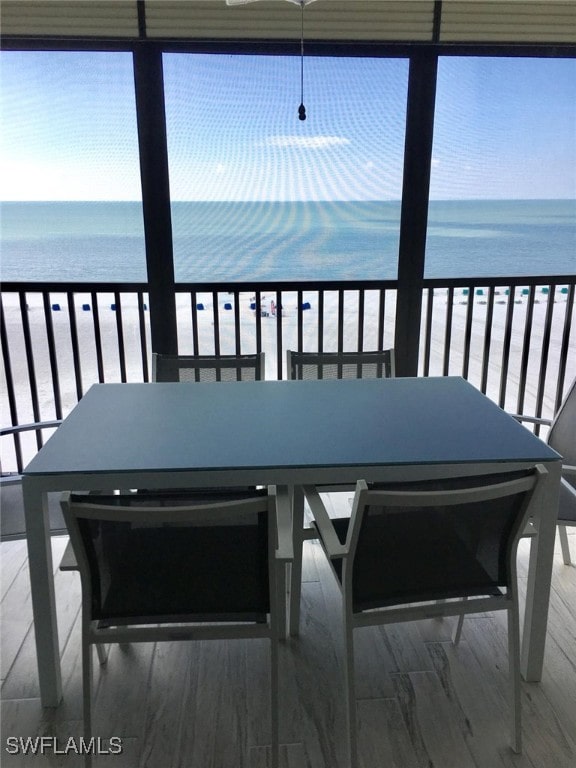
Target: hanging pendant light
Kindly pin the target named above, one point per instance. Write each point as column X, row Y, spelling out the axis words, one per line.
column 302, row 108
column 301, row 3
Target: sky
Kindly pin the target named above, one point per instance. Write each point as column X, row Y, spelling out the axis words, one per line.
column 504, row 128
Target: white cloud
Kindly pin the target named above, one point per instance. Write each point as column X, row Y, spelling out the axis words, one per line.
column 306, row 142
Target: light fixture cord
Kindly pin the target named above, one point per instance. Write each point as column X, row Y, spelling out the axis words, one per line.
column 302, row 108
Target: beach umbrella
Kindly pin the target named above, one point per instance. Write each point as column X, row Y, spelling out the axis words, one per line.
column 302, row 4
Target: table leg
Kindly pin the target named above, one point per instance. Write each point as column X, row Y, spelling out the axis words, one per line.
column 284, row 554
column 540, row 576
column 296, row 569
column 42, row 591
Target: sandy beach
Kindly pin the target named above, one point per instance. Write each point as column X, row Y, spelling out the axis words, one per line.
column 84, row 317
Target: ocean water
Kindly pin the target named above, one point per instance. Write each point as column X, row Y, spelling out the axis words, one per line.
column 269, row 241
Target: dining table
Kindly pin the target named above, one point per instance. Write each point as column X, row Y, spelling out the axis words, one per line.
column 288, row 434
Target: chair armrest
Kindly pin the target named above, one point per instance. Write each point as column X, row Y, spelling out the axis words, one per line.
column 285, row 544
column 330, row 539
column 531, row 419
column 34, row 426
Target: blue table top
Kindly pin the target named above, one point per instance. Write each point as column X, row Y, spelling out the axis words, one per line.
column 284, row 424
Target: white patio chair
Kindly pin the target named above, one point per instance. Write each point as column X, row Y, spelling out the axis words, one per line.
column 11, row 478
column 156, row 568
column 340, row 365
column 463, row 559
column 11, row 502
column 562, row 438
column 198, row 368
column 208, row 368
column 334, row 365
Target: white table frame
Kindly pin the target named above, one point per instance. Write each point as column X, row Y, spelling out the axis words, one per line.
column 45, row 474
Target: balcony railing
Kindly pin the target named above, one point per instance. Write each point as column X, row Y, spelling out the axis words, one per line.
column 512, row 338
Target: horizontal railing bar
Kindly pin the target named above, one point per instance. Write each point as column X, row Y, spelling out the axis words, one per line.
column 289, row 285
column 496, row 282
column 56, row 287
column 351, row 285
column 286, row 285
column 188, row 287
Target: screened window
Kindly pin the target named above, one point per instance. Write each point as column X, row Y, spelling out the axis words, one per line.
column 258, row 194
column 69, row 168
column 503, row 186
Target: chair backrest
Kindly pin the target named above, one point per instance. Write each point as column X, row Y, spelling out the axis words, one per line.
column 562, row 434
column 340, row 365
column 154, row 558
column 437, row 539
column 206, row 368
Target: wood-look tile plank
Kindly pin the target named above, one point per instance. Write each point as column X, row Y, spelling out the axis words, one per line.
column 564, row 585
column 291, row 756
column 428, row 716
column 313, row 677
column 168, row 704
column 23, row 718
column 26, row 718
column 383, row 737
column 373, row 663
column 258, row 701
column 120, row 689
column 558, row 683
column 21, row 679
column 217, row 735
column 16, row 605
column 128, row 758
column 542, row 730
column 479, row 702
column 14, row 559
column 406, row 645
column 310, row 553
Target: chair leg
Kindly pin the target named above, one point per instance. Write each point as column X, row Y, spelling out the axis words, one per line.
column 457, row 634
column 274, row 716
column 564, row 544
column 296, row 568
column 102, row 653
column 87, row 695
column 514, row 672
column 283, row 598
column 350, row 691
